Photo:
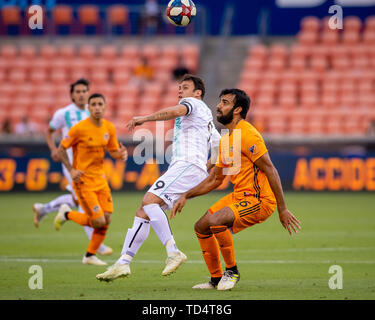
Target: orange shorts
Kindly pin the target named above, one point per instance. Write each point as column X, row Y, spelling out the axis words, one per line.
column 94, row 203
column 248, row 210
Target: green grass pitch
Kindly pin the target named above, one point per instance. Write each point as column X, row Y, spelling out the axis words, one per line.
column 337, row 229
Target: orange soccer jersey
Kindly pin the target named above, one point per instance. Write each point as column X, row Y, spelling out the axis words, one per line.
column 252, row 200
column 239, row 163
column 89, row 143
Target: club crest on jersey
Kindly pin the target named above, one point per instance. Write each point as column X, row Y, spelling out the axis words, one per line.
column 96, row 209
column 106, row 136
column 253, row 149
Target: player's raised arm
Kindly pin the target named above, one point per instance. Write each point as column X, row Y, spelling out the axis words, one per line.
column 210, row 183
column 287, row 219
column 161, row 115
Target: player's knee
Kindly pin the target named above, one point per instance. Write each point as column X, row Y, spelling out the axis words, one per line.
column 99, row 223
column 202, row 226
column 141, row 213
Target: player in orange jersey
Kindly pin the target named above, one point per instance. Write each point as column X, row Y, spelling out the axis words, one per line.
column 90, row 138
column 257, row 191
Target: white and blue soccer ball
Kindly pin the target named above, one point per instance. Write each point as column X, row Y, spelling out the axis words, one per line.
column 181, row 12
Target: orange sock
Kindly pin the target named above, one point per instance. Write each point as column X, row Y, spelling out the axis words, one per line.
column 225, row 240
column 97, row 239
column 78, row 217
column 211, row 254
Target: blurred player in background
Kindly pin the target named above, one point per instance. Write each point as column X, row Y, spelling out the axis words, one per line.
column 90, row 138
column 64, row 119
column 257, row 191
column 194, row 136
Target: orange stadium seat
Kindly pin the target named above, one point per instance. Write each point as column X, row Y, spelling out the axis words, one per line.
column 62, row 16
column 130, row 52
column 108, row 52
column 277, row 64
column 330, row 37
column 38, row 77
column 11, row 15
column 271, row 76
column 21, row 63
column 58, row 76
column 27, row 51
column 333, row 125
column 352, row 23
column 254, row 64
column 8, row 51
column 318, row 64
column 310, row 23
column 170, row 52
column 48, row 51
column 67, row 51
column 190, row 50
column 121, row 77
column 330, row 101
column 88, row 14
column 41, row 64
column 276, row 125
column 369, row 37
column 87, row 51
column 150, row 51
column 17, row 76
column 287, row 101
column 7, row 89
column 99, row 77
column 297, row 64
column 297, row 126
column 118, row 14
column 370, row 23
column 307, row 38
column 257, row 51
column 350, row 37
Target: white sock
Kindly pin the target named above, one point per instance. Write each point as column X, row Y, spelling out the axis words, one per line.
column 55, row 204
column 160, row 224
column 134, row 239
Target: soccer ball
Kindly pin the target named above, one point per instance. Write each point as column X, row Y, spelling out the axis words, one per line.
column 181, row 12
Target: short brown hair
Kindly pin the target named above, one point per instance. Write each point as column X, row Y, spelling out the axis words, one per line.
column 198, row 83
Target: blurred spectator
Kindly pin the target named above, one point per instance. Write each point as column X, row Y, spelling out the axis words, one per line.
column 143, row 72
column 151, row 16
column 6, row 128
column 180, row 70
column 26, row 128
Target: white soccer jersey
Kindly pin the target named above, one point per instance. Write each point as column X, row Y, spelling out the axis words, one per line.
column 194, row 134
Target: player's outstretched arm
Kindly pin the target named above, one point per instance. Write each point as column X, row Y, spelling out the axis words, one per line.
column 161, row 115
column 121, row 153
column 210, row 183
column 287, row 219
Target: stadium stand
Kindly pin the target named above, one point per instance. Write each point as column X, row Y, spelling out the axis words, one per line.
column 34, row 80
column 323, row 84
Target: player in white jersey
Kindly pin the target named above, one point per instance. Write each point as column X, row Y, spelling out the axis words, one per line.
column 64, row 119
column 194, row 136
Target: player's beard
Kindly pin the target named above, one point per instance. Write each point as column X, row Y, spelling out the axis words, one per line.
column 226, row 119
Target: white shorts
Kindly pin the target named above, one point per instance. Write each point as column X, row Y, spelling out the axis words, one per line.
column 179, row 178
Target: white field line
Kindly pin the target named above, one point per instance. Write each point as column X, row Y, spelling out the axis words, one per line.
column 78, row 260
